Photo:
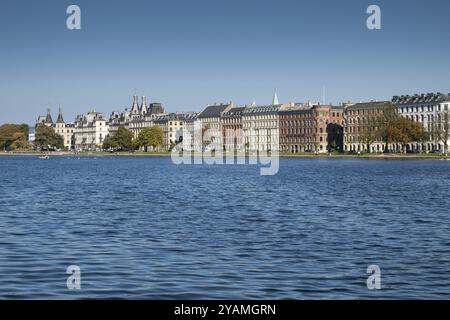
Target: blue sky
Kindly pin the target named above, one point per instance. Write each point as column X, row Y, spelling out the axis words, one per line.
column 186, row 54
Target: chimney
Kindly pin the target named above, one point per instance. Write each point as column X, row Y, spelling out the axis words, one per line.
column 144, row 101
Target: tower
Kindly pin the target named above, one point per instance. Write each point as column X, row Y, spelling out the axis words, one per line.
column 60, row 117
column 135, row 107
column 275, row 98
column 144, row 106
column 48, row 118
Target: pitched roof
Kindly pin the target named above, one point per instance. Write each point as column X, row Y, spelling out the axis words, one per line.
column 48, row 118
column 421, row 98
column 233, row 112
column 369, row 105
column 213, row 111
column 270, row 109
column 60, row 117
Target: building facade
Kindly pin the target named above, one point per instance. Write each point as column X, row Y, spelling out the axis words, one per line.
column 311, row 128
column 430, row 110
column 232, row 133
column 362, row 126
column 45, row 120
column 209, row 120
column 118, row 119
column 65, row 130
column 260, row 125
column 297, row 128
column 135, row 118
column 142, row 116
column 90, row 130
column 190, row 125
column 172, row 126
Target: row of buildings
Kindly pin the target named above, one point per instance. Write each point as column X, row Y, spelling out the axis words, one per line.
column 290, row 127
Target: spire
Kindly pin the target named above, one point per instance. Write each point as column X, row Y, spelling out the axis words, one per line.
column 60, row 117
column 48, row 118
column 275, row 99
column 135, row 107
column 144, row 105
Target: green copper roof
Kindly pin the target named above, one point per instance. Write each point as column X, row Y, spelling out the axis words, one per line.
column 275, row 99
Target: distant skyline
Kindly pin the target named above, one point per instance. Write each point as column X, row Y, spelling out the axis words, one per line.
column 187, row 54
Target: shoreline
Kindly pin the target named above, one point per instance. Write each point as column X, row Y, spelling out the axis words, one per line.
column 378, row 156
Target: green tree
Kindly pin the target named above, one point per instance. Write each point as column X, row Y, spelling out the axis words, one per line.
column 109, row 143
column 122, row 140
column 407, row 131
column 387, row 124
column 368, row 133
column 150, row 137
column 14, row 136
column 46, row 138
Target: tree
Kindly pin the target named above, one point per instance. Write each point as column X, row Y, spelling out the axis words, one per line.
column 109, row 143
column 150, row 137
column 387, row 122
column 121, row 140
column 368, row 133
column 46, row 138
column 14, row 136
column 406, row 131
column 440, row 128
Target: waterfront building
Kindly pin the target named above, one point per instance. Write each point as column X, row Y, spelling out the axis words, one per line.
column 65, row 130
column 45, row 120
column 210, row 124
column 362, row 126
column 172, row 126
column 297, row 128
column 90, row 130
column 232, row 134
column 429, row 110
column 260, row 125
column 189, row 127
column 118, row 119
column 142, row 116
column 137, row 117
column 305, row 127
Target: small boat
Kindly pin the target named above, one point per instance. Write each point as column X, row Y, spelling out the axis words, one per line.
column 44, row 157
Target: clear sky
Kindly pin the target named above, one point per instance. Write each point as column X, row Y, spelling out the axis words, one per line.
column 188, row 53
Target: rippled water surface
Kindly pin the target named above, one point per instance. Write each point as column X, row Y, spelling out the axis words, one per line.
column 145, row 228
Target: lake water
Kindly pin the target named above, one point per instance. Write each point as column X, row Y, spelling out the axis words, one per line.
column 145, row 228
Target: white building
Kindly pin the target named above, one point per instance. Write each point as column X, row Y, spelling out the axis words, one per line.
column 188, row 129
column 65, row 130
column 90, row 131
column 261, row 128
column 427, row 109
